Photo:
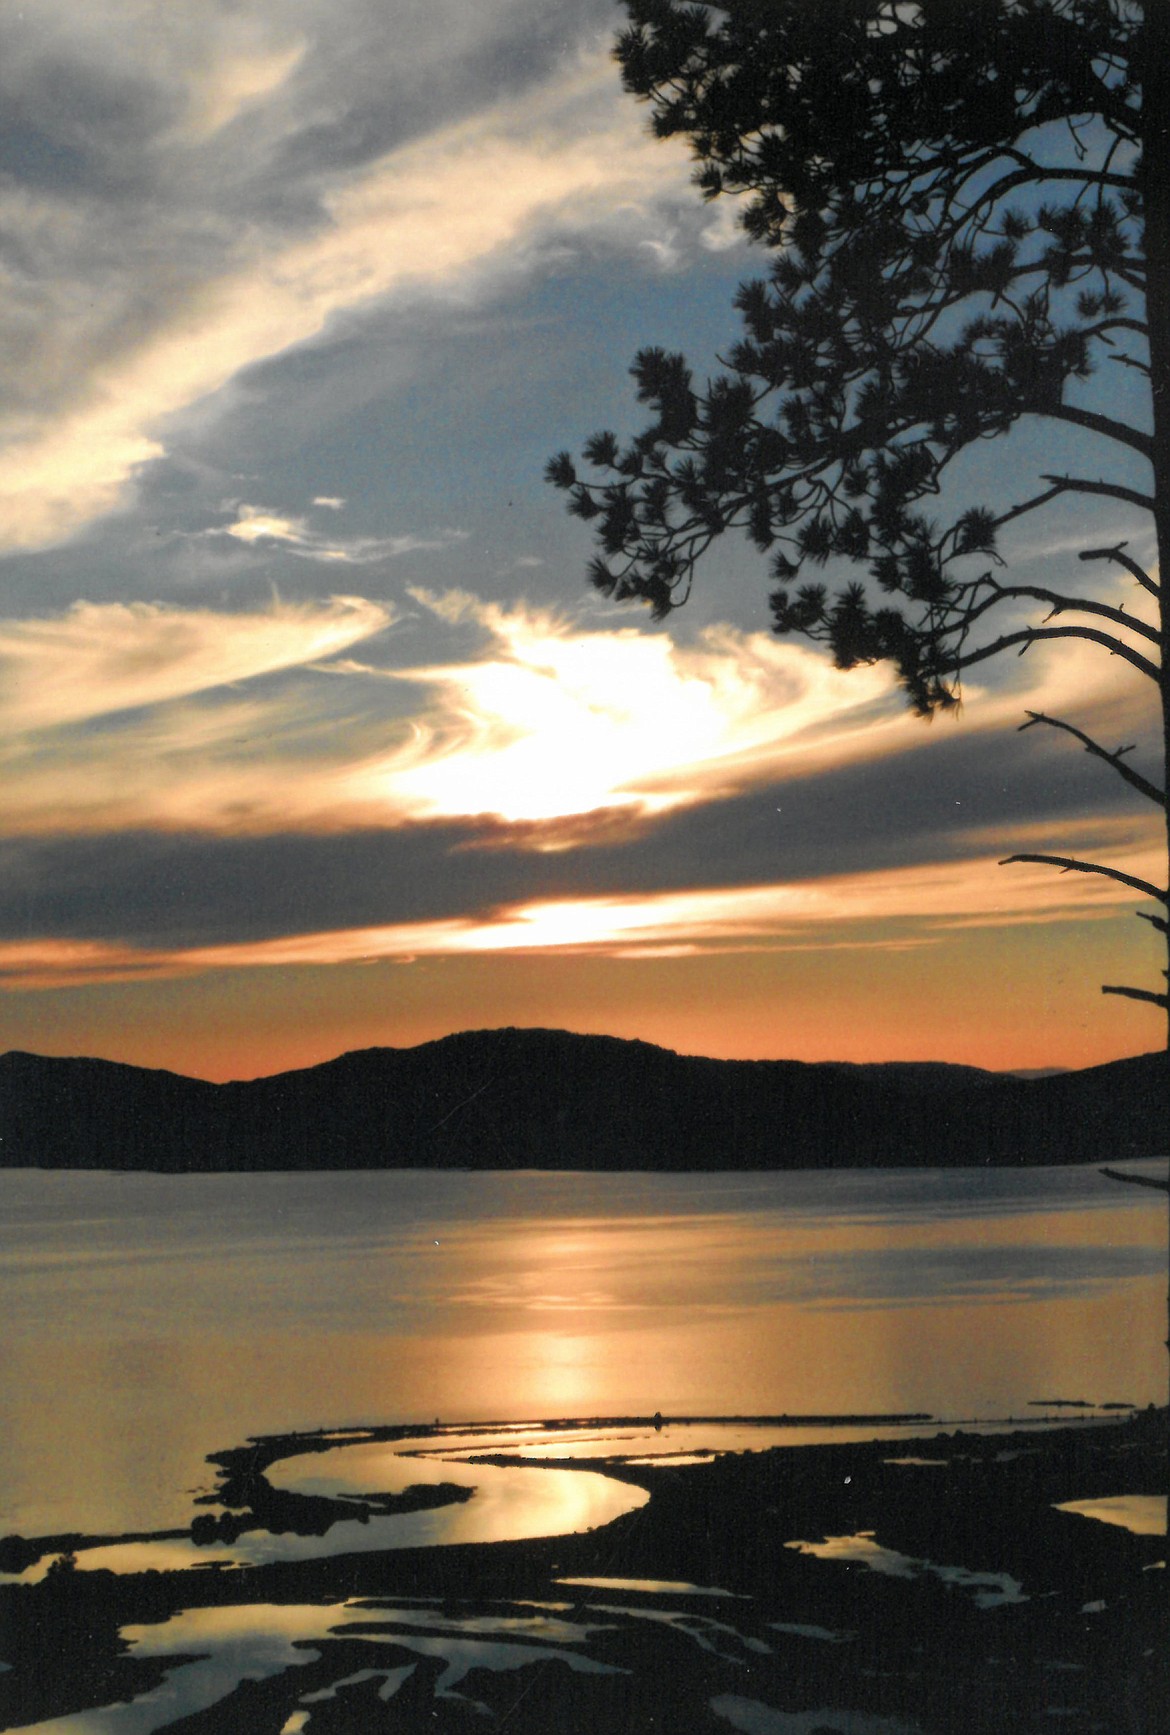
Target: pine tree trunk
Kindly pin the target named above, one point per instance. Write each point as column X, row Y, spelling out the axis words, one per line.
column 1153, row 69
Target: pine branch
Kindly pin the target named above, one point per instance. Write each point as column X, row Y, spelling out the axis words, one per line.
column 1069, row 864
column 968, row 212
column 1115, row 759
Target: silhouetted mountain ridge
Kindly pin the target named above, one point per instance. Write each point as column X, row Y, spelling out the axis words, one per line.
column 529, row 1098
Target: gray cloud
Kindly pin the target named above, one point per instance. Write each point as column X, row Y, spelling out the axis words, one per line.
column 161, row 182
column 74, row 125
column 368, row 87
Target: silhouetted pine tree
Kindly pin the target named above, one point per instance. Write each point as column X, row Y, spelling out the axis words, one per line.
column 968, row 212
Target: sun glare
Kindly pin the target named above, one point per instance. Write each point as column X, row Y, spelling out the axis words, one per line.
column 562, row 721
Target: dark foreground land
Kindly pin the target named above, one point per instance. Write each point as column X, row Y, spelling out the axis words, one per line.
column 548, row 1099
column 1057, row 1622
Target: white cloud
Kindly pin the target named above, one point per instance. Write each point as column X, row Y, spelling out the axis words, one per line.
column 100, row 658
column 724, row 231
column 256, row 525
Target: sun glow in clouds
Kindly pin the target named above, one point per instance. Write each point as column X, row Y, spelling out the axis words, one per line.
column 553, row 734
column 551, row 721
column 557, row 721
column 551, row 727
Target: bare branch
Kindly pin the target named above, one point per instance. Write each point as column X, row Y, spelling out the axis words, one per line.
column 1105, row 326
column 1075, row 485
column 1107, row 425
column 1035, row 172
column 1111, row 490
column 1069, row 864
column 1081, row 605
column 1027, row 636
column 1115, row 759
column 1127, row 561
column 1141, row 367
column 1146, row 994
column 1137, row 1180
column 1018, row 511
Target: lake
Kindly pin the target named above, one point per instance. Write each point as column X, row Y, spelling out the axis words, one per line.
column 152, row 1319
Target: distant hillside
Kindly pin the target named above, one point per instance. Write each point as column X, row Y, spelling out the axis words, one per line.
column 546, row 1099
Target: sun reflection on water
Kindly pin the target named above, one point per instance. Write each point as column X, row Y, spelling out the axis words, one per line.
column 211, row 1309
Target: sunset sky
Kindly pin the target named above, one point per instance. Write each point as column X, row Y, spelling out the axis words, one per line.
column 313, row 736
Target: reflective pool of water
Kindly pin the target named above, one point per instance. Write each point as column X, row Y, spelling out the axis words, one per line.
column 509, row 1504
column 1143, row 1514
column 989, row 1589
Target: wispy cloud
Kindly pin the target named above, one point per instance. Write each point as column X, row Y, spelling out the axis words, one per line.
column 475, row 201
column 241, row 74
column 100, row 658
column 548, row 721
column 547, row 733
column 258, row 526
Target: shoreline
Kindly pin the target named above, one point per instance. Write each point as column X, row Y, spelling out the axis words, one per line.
column 966, row 1517
column 251, row 1502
